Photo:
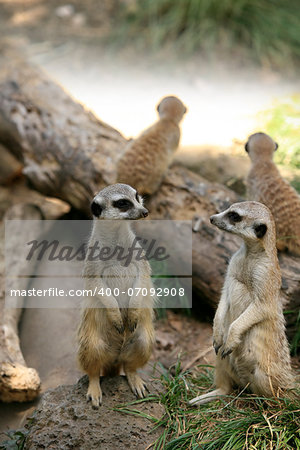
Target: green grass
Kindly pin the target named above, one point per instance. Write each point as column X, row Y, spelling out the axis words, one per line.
column 240, row 422
column 266, row 31
column 162, row 281
column 295, row 341
column 16, row 440
column 282, row 122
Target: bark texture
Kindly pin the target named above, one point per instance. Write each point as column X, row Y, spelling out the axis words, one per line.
column 18, row 383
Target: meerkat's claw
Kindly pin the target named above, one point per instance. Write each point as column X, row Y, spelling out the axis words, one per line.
column 226, row 353
column 216, row 347
column 134, row 315
column 132, row 326
column 96, row 401
column 119, row 327
column 141, row 392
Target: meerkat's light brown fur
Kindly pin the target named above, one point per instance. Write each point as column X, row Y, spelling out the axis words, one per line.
column 249, row 329
column 116, row 330
column 266, row 185
column 147, row 158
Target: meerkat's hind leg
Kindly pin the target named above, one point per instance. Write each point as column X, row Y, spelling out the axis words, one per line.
column 137, row 385
column 223, row 383
column 94, row 393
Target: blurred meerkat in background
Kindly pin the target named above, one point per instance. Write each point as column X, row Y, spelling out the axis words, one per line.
column 266, row 185
column 147, row 158
column 249, row 329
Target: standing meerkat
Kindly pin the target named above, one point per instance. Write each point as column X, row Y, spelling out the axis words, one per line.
column 249, row 329
column 116, row 332
column 147, row 158
column 265, row 185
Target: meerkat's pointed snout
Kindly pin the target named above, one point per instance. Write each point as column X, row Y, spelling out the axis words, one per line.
column 96, row 209
column 212, row 219
column 218, row 221
column 145, row 212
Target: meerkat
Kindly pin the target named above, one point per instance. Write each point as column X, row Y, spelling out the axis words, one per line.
column 116, row 332
column 265, row 185
column 147, row 158
column 249, row 330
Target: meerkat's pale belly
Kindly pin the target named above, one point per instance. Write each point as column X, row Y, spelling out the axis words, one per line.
column 121, row 281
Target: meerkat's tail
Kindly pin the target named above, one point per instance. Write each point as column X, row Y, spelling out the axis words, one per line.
column 209, row 397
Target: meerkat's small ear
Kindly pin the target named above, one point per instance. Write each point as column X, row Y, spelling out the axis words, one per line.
column 260, row 230
column 246, row 147
column 157, row 108
column 185, row 110
column 276, row 146
column 96, row 209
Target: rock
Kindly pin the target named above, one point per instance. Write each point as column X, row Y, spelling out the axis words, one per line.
column 65, row 420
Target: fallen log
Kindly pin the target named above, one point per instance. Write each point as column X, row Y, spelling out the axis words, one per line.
column 70, row 154
column 66, row 151
column 17, row 381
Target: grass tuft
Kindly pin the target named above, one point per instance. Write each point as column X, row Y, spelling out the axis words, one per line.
column 240, row 422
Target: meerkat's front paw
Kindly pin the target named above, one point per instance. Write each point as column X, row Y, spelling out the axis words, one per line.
column 137, row 385
column 218, row 341
column 230, row 345
column 116, row 320
column 119, row 326
column 133, row 319
column 94, row 393
column 226, row 352
column 217, row 346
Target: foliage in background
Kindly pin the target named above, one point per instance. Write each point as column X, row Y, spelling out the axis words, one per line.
column 242, row 422
column 162, row 281
column 295, row 345
column 282, row 122
column 266, row 31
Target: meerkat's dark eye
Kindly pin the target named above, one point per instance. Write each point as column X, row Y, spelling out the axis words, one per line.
column 246, row 147
column 96, row 209
column 234, row 217
column 123, row 204
column 137, row 197
column 276, row 146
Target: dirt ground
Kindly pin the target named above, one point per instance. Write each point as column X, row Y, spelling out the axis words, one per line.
column 48, row 338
